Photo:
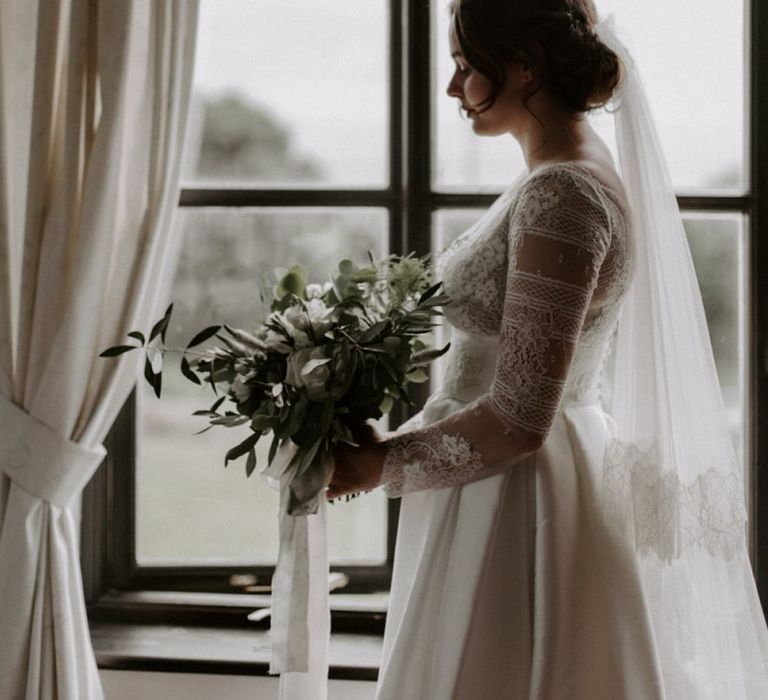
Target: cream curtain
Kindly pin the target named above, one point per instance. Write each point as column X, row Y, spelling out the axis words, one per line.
column 93, row 104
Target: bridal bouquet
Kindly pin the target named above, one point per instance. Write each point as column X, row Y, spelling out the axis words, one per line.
column 326, row 359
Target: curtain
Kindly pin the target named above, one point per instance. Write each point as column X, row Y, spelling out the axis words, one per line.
column 93, row 103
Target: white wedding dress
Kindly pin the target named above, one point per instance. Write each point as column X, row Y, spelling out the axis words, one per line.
column 512, row 578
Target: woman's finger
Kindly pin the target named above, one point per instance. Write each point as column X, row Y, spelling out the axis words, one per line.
column 335, row 490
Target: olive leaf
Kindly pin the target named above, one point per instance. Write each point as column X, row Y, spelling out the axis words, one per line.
column 203, row 335
column 186, row 370
column 242, row 448
column 117, row 350
column 161, row 326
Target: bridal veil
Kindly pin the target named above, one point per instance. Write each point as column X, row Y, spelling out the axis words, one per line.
column 672, row 483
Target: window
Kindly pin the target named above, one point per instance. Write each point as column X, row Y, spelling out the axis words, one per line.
column 343, row 141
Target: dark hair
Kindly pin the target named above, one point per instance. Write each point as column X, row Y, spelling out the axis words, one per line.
column 554, row 37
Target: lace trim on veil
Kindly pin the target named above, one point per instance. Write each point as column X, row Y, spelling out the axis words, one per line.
column 667, row 516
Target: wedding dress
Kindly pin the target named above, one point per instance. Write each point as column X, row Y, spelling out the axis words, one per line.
column 573, row 523
column 513, row 577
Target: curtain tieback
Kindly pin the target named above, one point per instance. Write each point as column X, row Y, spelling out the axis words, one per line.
column 39, row 460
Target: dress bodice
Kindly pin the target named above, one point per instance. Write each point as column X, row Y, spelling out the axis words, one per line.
column 474, row 269
column 535, row 286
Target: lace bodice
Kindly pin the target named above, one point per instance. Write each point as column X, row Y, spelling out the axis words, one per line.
column 536, row 287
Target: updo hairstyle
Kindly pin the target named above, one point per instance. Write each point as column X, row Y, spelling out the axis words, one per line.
column 554, row 37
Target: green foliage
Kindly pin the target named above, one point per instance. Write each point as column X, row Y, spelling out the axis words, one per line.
column 327, row 359
column 241, row 140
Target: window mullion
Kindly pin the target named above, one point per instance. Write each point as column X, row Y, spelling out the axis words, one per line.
column 254, row 197
column 758, row 91
column 419, row 128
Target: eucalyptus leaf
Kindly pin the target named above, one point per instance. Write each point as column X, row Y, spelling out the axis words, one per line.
column 116, row 350
column 231, row 421
column 273, row 449
column 203, row 335
column 158, row 383
column 425, row 356
column 166, row 322
column 242, row 448
column 312, row 365
column 250, row 464
column 374, row 331
column 156, row 330
column 430, row 292
column 186, row 370
column 293, row 282
column 149, row 374
column 261, row 423
column 391, row 370
column 161, row 326
column 247, row 340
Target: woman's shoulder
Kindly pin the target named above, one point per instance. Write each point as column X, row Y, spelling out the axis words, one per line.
column 568, row 200
column 576, row 178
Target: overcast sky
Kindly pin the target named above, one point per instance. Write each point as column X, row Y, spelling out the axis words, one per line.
column 320, row 67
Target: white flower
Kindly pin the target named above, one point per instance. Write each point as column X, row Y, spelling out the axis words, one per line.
column 296, row 316
column 276, row 341
column 319, row 316
column 314, row 291
column 299, row 320
column 240, row 389
column 300, row 338
column 309, row 367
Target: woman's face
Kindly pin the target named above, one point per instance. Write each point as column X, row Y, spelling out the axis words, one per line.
column 471, row 88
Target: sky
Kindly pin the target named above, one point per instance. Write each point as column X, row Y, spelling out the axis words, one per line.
column 321, row 69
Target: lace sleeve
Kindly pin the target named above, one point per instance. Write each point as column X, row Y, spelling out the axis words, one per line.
column 558, row 238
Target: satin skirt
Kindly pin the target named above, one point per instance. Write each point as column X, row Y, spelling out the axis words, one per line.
column 514, row 587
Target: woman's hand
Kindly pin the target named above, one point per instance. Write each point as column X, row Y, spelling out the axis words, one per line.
column 358, row 468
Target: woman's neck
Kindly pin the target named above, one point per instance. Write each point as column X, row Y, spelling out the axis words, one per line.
column 550, row 134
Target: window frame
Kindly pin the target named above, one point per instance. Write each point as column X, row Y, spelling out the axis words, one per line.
column 108, row 533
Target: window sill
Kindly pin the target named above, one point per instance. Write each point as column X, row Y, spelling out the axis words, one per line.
column 225, row 650
column 176, row 632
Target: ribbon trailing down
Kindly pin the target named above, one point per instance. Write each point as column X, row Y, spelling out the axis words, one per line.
column 300, row 625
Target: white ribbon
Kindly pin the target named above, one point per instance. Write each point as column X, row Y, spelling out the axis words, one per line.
column 300, row 626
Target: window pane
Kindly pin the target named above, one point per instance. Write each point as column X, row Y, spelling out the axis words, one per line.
column 691, row 55
column 189, row 508
column 289, row 92
column 717, row 246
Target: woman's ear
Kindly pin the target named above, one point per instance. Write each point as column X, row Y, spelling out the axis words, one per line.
column 524, row 77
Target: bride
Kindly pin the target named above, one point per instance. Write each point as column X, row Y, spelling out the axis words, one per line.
column 572, row 523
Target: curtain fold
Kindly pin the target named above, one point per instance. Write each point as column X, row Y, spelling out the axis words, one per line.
column 94, row 97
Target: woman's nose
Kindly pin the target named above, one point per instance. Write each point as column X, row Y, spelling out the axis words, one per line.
column 454, row 86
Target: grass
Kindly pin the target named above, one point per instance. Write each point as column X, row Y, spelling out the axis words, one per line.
column 191, row 510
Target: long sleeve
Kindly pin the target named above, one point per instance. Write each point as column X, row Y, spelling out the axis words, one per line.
column 558, row 238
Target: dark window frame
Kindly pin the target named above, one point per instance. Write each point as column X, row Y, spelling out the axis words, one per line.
column 108, row 563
